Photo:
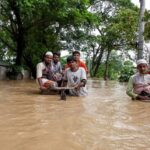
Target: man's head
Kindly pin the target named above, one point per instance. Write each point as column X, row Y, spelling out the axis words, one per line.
column 47, row 57
column 142, row 66
column 76, row 55
column 71, row 62
column 56, row 57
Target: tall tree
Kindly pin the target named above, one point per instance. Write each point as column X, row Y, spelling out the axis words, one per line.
column 141, row 29
column 116, row 28
column 27, row 33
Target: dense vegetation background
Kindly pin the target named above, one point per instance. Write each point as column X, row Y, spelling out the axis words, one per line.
column 105, row 30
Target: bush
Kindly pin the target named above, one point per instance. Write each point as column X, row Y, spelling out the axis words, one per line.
column 14, row 72
column 127, row 71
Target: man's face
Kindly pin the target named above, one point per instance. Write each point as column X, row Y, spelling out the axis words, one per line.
column 76, row 56
column 48, row 59
column 56, row 58
column 143, row 68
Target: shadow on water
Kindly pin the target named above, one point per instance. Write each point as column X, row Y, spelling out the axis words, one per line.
column 104, row 120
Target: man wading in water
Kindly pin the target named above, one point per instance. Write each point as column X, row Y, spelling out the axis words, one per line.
column 139, row 84
column 44, row 72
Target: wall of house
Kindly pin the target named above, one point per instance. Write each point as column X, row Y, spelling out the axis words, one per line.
column 3, row 70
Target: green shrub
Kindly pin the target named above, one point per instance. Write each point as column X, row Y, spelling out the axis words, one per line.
column 127, row 71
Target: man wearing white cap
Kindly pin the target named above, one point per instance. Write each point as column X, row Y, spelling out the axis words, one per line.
column 44, row 73
column 139, row 84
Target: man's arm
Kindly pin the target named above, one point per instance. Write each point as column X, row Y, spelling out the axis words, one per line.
column 39, row 75
column 81, row 84
column 129, row 90
column 40, row 84
column 60, row 68
column 83, row 79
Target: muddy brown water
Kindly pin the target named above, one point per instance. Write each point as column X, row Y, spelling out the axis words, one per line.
column 104, row 120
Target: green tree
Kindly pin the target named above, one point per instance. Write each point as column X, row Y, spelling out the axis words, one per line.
column 27, row 33
column 126, row 71
column 116, row 28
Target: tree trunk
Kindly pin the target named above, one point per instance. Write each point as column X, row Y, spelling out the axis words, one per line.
column 20, row 49
column 95, row 53
column 141, row 30
column 30, row 65
column 106, row 65
column 98, row 62
column 20, row 34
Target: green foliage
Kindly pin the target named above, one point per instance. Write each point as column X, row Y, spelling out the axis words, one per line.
column 14, row 72
column 115, row 65
column 123, row 3
column 123, row 26
column 117, row 29
column 44, row 24
column 127, row 71
column 147, row 25
column 28, row 28
column 63, row 61
column 118, row 69
column 16, row 69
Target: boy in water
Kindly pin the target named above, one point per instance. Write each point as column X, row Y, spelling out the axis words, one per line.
column 139, row 84
column 75, row 76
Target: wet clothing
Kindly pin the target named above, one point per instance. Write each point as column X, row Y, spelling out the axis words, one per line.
column 56, row 68
column 73, row 79
column 45, row 73
column 138, row 85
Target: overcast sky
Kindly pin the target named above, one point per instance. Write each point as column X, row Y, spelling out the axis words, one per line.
column 147, row 3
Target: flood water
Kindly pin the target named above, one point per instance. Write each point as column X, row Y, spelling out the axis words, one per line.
column 106, row 119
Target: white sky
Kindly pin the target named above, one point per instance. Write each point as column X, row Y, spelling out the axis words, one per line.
column 147, row 3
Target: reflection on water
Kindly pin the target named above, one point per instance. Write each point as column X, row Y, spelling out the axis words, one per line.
column 104, row 120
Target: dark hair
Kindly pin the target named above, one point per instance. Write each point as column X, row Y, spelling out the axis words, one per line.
column 70, row 58
column 56, row 53
column 75, row 52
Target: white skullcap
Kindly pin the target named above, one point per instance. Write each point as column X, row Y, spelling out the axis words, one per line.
column 49, row 53
column 141, row 61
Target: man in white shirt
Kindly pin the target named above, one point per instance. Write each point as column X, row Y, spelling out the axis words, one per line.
column 139, row 84
column 44, row 72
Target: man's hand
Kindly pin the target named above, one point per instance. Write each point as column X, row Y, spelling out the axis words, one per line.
column 55, row 77
column 77, row 87
column 42, row 87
